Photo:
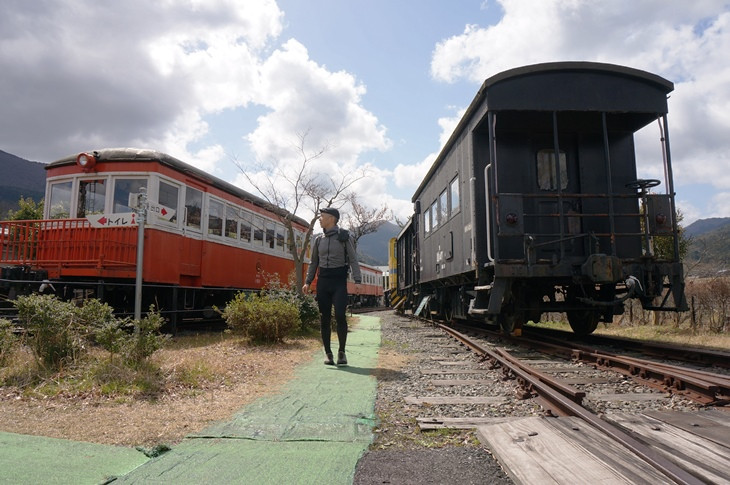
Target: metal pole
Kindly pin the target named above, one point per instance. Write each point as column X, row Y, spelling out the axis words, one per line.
column 141, row 215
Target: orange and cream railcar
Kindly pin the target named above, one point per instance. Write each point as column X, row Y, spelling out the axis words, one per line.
column 370, row 292
column 204, row 238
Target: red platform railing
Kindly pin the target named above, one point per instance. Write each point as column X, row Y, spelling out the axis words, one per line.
column 66, row 243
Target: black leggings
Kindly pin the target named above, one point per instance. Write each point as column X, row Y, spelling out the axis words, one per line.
column 332, row 291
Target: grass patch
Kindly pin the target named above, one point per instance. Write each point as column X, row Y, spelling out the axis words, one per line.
column 668, row 334
column 194, row 375
column 681, row 335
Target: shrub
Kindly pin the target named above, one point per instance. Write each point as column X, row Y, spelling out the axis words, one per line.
column 50, row 325
column 308, row 312
column 709, row 300
column 306, row 304
column 145, row 340
column 7, row 340
column 262, row 317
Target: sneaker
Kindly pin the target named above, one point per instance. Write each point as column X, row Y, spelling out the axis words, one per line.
column 341, row 358
column 330, row 360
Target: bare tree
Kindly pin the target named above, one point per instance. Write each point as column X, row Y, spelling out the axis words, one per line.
column 401, row 223
column 297, row 188
column 362, row 221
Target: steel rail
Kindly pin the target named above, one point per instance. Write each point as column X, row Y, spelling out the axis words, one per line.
column 570, row 408
column 705, row 356
column 706, row 388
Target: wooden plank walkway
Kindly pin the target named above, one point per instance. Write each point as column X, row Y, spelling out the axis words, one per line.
column 566, row 450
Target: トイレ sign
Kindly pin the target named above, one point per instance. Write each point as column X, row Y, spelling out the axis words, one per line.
column 113, row 220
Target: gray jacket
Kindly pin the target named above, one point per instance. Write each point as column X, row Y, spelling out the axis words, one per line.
column 329, row 252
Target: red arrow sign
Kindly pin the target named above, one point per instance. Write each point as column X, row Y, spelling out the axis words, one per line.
column 113, row 220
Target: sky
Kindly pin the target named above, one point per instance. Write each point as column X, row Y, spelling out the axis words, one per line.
column 379, row 85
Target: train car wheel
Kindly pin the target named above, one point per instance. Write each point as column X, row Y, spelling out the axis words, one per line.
column 511, row 321
column 448, row 314
column 583, row 322
column 511, row 318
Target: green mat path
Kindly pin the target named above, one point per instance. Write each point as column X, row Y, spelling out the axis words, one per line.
column 314, row 431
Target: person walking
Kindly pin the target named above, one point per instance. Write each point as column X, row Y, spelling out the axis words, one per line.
column 332, row 253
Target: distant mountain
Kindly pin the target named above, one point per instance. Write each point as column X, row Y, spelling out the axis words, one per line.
column 373, row 247
column 709, row 251
column 20, row 178
column 702, row 226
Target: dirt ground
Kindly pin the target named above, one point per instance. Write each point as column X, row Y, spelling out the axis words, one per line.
column 224, row 375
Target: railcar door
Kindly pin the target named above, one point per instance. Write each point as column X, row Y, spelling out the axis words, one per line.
column 538, row 204
column 192, row 251
column 553, row 211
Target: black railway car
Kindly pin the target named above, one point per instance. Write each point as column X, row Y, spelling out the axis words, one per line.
column 534, row 204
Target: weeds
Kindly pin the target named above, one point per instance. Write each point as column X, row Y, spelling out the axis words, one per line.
column 61, row 345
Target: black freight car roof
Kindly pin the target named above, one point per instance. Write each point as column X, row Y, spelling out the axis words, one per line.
column 579, row 86
column 142, row 155
column 565, row 86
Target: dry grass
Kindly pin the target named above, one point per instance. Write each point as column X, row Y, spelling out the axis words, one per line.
column 201, row 379
column 660, row 333
column 669, row 334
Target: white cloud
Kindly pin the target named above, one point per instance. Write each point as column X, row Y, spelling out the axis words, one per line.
column 305, row 97
column 718, row 205
column 86, row 74
column 409, row 176
column 686, row 43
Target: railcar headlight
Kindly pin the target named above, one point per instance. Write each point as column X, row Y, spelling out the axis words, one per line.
column 661, row 219
column 86, row 161
column 511, row 218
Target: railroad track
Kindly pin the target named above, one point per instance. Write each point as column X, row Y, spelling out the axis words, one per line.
column 700, row 356
column 559, row 398
column 702, row 386
column 447, row 387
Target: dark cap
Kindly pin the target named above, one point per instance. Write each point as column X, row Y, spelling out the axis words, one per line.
column 331, row 211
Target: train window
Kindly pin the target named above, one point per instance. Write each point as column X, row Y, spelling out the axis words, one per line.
column 270, row 235
column 443, row 207
column 454, row 196
column 547, row 174
column 215, row 218
column 280, row 238
column 193, row 207
column 258, row 231
column 288, row 244
column 60, row 204
column 427, row 221
column 167, row 195
column 122, row 189
column 434, row 215
column 245, row 228
column 232, row 217
column 92, row 195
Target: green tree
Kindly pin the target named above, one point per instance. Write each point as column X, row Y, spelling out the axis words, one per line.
column 28, row 210
column 664, row 245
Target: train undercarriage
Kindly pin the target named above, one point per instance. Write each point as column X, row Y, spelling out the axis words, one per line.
column 179, row 305
column 512, row 300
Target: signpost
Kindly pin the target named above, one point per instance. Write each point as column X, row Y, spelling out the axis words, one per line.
column 141, row 214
